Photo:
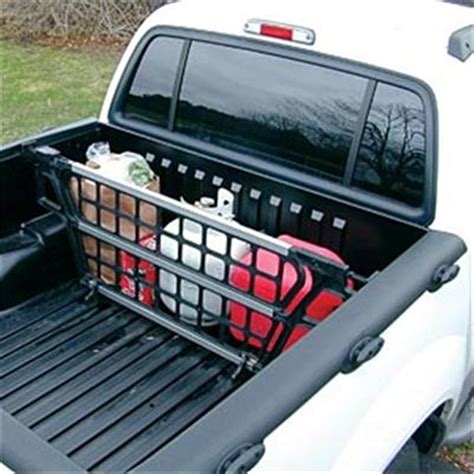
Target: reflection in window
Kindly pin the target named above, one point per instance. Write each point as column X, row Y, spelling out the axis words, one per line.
column 287, row 110
column 150, row 95
column 391, row 158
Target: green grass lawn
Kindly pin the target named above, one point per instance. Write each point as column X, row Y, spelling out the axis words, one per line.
column 42, row 87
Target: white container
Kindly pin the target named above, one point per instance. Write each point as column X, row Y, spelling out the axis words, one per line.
column 213, row 266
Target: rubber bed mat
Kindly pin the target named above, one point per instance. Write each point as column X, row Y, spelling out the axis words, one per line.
column 105, row 387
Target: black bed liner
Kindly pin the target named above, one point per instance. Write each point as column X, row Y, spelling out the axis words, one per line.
column 101, row 385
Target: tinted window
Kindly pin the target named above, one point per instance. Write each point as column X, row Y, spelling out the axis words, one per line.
column 391, row 158
column 150, row 94
column 262, row 104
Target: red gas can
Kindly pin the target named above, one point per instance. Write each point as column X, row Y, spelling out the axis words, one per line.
column 265, row 288
column 146, row 271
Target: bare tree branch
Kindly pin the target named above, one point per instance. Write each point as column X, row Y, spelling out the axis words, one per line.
column 118, row 19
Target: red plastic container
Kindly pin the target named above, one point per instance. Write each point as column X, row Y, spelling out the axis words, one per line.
column 265, row 288
column 131, row 265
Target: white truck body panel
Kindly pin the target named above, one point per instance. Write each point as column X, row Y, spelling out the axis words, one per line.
column 360, row 421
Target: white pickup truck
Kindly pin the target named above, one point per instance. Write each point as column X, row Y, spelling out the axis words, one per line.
column 323, row 322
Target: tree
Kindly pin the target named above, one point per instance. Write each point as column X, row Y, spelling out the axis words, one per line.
column 393, row 145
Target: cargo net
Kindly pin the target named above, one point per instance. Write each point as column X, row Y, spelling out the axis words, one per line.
column 237, row 291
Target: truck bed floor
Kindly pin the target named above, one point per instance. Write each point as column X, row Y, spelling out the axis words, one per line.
column 105, row 387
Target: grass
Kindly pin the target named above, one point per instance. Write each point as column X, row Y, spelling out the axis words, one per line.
column 42, row 87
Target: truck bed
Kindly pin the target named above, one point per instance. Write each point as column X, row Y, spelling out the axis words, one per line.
column 101, row 385
column 92, row 386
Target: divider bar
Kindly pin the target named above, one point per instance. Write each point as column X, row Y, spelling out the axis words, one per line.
column 230, row 228
column 228, row 353
column 176, row 268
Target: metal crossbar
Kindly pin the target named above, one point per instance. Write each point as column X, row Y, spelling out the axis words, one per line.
column 185, row 210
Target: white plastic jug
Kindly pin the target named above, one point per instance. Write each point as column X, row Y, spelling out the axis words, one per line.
column 214, row 266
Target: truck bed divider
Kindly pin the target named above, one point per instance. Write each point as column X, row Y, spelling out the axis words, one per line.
column 266, row 322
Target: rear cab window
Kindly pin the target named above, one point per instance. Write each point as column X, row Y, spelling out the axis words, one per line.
column 392, row 153
column 348, row 127
column 293, row 112
column 150, row 93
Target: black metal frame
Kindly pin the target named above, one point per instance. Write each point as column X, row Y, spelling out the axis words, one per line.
column 266, row 325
